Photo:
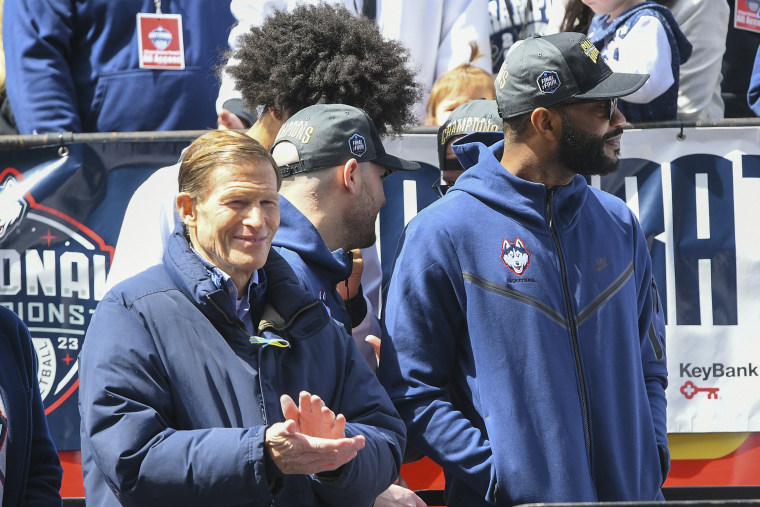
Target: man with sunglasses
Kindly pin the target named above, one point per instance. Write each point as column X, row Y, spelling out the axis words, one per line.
column 474, row 116
column 524, row 343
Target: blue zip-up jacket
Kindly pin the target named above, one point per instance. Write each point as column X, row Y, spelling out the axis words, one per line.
column 175, row 400
column 319, row 269
column 30, row 473
column 73, row 66
column 525, row 341
column 600, row 32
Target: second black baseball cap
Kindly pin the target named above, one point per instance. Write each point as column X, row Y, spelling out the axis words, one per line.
column 543, row 71
column 326, row 135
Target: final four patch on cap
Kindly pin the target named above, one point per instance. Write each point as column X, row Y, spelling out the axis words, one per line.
column 357, row 145
column 548, row 81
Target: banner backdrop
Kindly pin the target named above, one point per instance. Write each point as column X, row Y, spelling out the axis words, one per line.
column 696, row 198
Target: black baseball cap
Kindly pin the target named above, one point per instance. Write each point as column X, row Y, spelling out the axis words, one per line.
column 545, row 70
column 326, row 135
column 475, row 116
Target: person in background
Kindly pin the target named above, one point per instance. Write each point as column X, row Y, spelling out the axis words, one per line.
column 515, row 20
column 638, row 36
column 473, row 116
column 113, row 65
column 7, row 123
column 753, row 94
column 521, row 298
column 30, row 471
column 741, row 49
column 190, row 370
column 705, row 25
column 461, row 84
column 435, row 32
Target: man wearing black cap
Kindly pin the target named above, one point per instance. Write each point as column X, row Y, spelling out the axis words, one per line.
column 332, row 163
column 475, row 116
column 525, row 337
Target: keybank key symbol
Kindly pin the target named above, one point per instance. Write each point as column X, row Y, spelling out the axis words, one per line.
column 690, row 390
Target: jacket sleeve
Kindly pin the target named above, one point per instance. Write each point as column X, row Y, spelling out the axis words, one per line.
column 652, row 338
column 424, row 320
column 369, row 412
column 125, row 401
column 45, row 472
column 37, row 37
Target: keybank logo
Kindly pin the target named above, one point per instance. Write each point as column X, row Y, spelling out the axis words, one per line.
column 717, row 370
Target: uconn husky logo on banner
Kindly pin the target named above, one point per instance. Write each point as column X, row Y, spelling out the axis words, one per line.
column 52, row 275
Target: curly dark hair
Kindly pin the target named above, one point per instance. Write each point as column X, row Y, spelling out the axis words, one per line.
column 325, row 54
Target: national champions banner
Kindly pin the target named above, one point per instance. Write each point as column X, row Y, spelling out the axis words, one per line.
column 695, row 192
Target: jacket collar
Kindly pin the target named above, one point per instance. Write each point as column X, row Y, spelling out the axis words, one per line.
column 488, row 181
column 283, row 293
column 298, row 234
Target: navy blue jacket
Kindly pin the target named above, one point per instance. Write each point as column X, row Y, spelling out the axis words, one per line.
column 33, row 473
column 524, row 348
column 319, row 269
column 175, row 400
column 73, row 66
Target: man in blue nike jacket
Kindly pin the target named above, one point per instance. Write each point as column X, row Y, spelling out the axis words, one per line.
column 190, row 369
column 525, row 344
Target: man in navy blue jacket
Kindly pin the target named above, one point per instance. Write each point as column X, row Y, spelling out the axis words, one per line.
column 525, row 338
column 333, row 163
column 190, row 369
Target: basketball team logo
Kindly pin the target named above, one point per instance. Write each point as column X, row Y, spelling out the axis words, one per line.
column 357, row 145
column 52, row 275
column 515, row 256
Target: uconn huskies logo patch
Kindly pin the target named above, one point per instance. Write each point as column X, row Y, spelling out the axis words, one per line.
column 515, row 256
column 357, row 145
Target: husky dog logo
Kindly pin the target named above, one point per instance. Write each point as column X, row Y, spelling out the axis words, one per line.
column 515, row 256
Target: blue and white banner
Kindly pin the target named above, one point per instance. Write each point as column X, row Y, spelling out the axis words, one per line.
column 698, row 200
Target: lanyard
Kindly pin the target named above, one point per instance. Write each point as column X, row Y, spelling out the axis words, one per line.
column 157, row 3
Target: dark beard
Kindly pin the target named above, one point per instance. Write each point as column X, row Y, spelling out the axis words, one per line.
column 359, row 226
column 583, row 153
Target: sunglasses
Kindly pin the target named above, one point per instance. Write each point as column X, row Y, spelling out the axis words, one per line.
column 610, row 105
column 449, row 164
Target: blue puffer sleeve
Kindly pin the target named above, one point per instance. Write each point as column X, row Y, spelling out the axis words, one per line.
column 125, row 401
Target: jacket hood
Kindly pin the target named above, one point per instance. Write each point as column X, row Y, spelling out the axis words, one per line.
column 488, row 181
column 298, row 234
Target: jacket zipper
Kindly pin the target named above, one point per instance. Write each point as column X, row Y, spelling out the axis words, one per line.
column 571, row 322
column 240, row 326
